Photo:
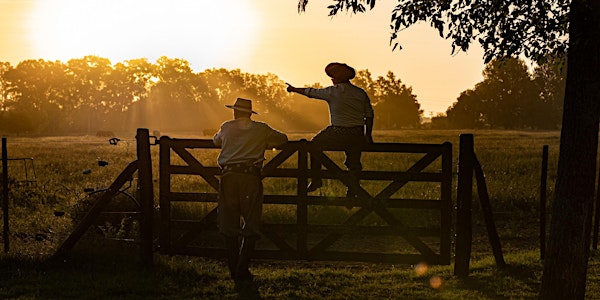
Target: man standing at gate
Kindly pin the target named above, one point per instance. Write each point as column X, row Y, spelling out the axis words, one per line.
column 243, row 143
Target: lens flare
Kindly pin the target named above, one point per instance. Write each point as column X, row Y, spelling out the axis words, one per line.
column 421, row 269
column 436, row 282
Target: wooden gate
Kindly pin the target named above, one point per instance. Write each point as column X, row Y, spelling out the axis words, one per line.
column 381, row 225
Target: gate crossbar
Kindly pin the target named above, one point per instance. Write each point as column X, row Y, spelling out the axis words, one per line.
column 367, row 204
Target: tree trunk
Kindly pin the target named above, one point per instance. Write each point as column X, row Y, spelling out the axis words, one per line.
column 565, row 266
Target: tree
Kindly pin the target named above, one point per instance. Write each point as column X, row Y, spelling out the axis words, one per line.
column 36, row 89
column 4, row 86
column 396, row 105
column 549, row 79
column 466, row 112
column 506, row 98
column 91, row 96
column 510, row 97
column 535, row 29
column 508, row 94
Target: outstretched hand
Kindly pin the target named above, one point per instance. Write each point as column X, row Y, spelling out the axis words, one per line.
column 289, row 88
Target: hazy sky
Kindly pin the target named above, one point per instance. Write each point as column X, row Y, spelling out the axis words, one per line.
column 256, row 36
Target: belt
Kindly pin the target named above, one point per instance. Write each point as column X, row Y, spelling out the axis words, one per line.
column 242, row 168
column 352, row 130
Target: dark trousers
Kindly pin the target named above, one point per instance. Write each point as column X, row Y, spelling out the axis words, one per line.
column 240, row 204
column 351, row 138
column 239, row 214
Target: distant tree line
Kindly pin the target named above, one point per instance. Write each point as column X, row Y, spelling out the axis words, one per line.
column 90, row 94
column 509, row 97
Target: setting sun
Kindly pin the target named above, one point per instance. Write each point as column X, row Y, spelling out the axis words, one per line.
column 255, row 36
column 121, row 30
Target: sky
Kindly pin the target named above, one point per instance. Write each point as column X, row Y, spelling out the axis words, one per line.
column 255, row 36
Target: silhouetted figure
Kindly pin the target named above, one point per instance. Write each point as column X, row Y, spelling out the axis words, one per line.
column 351, row 118
column 243, row 143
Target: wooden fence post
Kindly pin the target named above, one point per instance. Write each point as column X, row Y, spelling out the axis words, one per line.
column 488, row 215
column 164, row 234
column 446, row 210
column 302, row 205
column 146, row 192
column 597, row 215
column 464, row 230
column 543, row 184
column 5, row 229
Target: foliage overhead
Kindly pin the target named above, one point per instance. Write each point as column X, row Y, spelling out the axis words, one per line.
column 534, row 28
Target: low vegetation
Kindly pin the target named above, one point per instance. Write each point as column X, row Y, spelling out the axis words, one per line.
column 103, row 269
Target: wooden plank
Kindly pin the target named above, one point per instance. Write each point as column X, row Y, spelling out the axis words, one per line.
column 367, row 203
column 194, row 170
column 401, row 181
column 488, row 216
column 446, row 206
column 164, row 233
column 193, row 162
column 95, row 210
column 209, row 221
column 5, row 215
column 407, row 234
column 302, row 206
column 464, row 230
column 146, row 194
column 373, row 257
column 395, row 175
column 281, row 157
column 333, row 237
column 354, row 229
column 192, row 197
column 277, row 240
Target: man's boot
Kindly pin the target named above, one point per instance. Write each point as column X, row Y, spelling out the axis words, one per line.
column 352, row 190
column 246, row 251
column 233, row 253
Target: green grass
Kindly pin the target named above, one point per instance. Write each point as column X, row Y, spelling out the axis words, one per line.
column 95, row 275
column 97, row 269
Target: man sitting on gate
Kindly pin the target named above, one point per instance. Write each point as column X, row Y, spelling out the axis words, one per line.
column 243, row 143
column 351, row 116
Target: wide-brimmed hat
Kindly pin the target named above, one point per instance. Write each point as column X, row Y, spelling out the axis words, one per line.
column 242, row 104
column 339, row 71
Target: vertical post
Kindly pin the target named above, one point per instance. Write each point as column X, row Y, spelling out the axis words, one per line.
column 5, row 195
column 446, row 207
column 146, row 192
column 164, row 234
column 302, row 207
column 488, row 215
column 597, row 215
column 464, row 230
column 543, row 188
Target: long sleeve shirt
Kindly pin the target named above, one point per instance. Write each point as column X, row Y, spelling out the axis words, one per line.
column 245, row 141
column 349, row 105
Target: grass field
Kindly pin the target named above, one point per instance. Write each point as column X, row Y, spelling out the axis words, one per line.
column 64, row 166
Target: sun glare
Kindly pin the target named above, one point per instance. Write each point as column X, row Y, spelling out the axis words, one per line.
column 206, row 33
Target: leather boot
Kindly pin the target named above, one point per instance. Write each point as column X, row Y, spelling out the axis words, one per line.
column 351, row 191
column 233, row 253
column 248, row 244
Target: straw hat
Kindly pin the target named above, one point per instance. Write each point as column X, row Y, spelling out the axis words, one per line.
column 339, row 71
column 242, row 104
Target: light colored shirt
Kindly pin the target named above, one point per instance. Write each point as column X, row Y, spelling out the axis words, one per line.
column 349, row 105
column 244, row 141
